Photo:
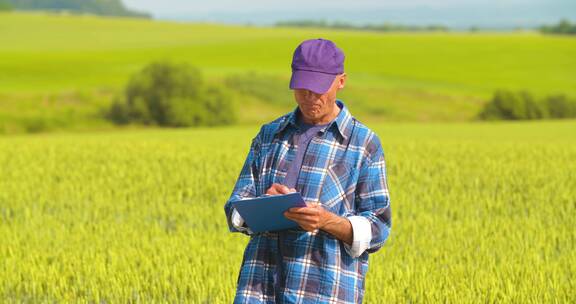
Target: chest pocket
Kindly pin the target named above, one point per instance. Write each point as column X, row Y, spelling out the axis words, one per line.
column 337, row 193
column 269, row 162
column 260, row 152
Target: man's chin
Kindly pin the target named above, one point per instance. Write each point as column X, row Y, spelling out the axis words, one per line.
column 313, row 114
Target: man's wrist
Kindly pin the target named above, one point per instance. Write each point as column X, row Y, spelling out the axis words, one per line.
column 330, row 220
column 338, row 226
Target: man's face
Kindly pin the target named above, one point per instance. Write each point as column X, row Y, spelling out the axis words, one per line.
column 319, row 107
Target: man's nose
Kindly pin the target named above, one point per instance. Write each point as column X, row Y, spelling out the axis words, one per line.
column 311, row 95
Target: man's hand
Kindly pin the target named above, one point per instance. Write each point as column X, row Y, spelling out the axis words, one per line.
column 311, row 217
column 279, row 189
column 314, row 217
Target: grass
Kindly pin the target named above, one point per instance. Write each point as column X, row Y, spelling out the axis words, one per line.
column 392, row 76
column 482, row 212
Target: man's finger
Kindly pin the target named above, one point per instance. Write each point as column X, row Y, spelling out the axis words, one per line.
column 304, row 218
column 304, row 221
column 272, row 191
column 301, row 215
column 277, row 189
column 304, row 210
column 283, row 189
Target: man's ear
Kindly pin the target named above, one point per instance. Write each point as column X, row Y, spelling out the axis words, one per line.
column 342, row 81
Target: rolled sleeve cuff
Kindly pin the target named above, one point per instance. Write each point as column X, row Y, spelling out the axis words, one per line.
column 362, row 234
column 238, row 222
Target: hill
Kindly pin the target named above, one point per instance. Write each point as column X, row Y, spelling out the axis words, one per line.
column 60, row 71
column 98, row 7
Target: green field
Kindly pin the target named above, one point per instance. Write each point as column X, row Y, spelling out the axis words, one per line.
column 59, row 71
column 482, row 213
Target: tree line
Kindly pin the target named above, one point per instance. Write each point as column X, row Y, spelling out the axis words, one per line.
column 384, row 27
column 98, row 7
column 564, row 27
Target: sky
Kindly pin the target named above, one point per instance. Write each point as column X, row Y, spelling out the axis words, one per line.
column 453, row 13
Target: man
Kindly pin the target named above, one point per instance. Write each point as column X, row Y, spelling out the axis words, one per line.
column 337, row 164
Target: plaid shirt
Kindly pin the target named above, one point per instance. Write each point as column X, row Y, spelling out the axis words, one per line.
column 344, row 170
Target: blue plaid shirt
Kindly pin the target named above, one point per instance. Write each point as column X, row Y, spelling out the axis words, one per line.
column 344, row 170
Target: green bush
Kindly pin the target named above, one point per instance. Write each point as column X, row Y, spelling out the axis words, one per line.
column 561, row 107
column 5, row 5
column 168, row 94
column 564, row 27
column 509, row 105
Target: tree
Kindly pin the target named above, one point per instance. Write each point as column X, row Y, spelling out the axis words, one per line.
column 563, row 27
column 5, row 5
column 98, row 7
column 169, row 94
column 561, row 107
column 510, row 105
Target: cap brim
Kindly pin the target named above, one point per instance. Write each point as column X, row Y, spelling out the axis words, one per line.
column 314, row 81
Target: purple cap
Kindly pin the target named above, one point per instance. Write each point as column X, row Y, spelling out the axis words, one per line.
column 315, row 64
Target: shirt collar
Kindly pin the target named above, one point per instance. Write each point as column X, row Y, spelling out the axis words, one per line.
column 342, row 121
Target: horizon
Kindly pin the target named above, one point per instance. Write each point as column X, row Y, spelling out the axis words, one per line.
column 507, row 14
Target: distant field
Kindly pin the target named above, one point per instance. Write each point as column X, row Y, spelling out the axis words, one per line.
column 482, row 213
column 64, row 68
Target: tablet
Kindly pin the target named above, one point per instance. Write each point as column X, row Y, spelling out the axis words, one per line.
column 266, row 213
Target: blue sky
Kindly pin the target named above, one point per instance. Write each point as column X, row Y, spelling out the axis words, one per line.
column 455, row 13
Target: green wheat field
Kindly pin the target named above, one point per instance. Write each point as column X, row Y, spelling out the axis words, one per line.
column 90, row 213
column 481, row 213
